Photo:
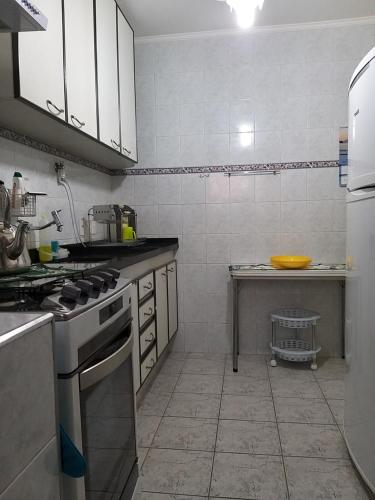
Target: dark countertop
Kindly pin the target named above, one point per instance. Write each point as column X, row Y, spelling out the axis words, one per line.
column 118, row 255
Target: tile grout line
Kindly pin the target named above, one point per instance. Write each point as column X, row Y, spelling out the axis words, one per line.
column 278, row 432
column 217, row 429
column 329, row 406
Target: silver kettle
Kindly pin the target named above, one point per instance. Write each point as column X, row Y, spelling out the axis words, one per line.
column 14, row 255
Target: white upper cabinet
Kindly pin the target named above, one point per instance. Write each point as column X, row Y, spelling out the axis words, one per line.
column 80, row 65
column 41, row 62
column 108, row 99
column 127, row 87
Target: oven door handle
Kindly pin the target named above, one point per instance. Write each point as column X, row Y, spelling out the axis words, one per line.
column 95, row 373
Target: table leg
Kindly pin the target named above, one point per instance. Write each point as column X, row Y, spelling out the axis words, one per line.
column 342, row 286
column 235, row 324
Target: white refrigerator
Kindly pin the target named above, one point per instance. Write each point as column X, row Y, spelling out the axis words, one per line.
column 359, row 413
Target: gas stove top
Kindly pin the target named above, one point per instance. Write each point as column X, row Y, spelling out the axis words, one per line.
column 64, row 290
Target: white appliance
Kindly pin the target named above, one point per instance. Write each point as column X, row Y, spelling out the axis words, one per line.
column 359, row 416
column 21, row 15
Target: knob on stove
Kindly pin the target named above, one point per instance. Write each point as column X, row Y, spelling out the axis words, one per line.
column 71, row 292
column 107, row 277
column 98, row 282
column 86, row 286
column 115, row 272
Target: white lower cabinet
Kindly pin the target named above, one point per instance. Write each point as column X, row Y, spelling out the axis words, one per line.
column 148, row 364
column 172, row 299
column 155, row 318
column 161, row 292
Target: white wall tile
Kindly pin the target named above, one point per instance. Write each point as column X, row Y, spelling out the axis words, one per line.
column 192, row 119
column 145, row 189
column 167, row 120
column 242, row 116
column 320, row 215
column 267, row 188
column 169, row 189
column 216, row 149
column 147, row 220
column 243, row 249
column 218, row 248
column 241, row 148
column 192, row 151
column 293, row 185
column 217, row 188
column 146, row 88
column 194, row 249
column 241, row 188
column 322, row 184
column 193, row 189
column 268, row 217
column 218, row 278
column 219, row 336
column 267, row 244
column 218, row 218
column 216, row 118
column 267, row 147
column 242, row 218
column 168, row 151
column 170, row 219
column 196, row 337
column 194, row 219
column 294, row 217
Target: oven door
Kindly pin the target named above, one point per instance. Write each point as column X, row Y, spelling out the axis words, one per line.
column 108, row 419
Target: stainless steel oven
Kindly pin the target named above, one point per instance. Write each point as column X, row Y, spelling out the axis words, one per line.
column 97, row 406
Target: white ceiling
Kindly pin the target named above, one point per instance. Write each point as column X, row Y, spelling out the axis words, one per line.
column 164, row 17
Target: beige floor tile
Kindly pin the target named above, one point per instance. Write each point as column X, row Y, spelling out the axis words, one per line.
column 333, row 389
column 337, row 408
column 206, row 355
column 294, row 388
column 154, row 404
column 291, row 370
column 179, row 433
column 204, row 366
column 200, row 384
column 172, row 366
column 257, row 408
column 248, row 477
column 164, row 383
column 304, row 411
column 311, row 440
column 177, row 472
column 193, row 405
column 146, row 495
column 142, row 452
column 248, row 367
column 238, row 436
column 246, row 386
column 323, row 479
column 330, row 369
column 177, row 355
column 146, row 428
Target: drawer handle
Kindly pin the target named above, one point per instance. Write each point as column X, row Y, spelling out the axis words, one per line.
column 153, row 362
column 52, row 108
column 115, row 144
column 126, row 150
column 164, row 274
column 151, row 339
column 148, row 285
column 150, row 313
column 77, row 123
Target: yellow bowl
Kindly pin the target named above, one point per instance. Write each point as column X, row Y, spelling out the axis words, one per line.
column 290, row 261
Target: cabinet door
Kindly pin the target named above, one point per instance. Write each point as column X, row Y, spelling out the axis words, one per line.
column 80, row 65
column 41, row 62
column 127, row 87
column 161, row 309
column 172, row 298
column 106, row 47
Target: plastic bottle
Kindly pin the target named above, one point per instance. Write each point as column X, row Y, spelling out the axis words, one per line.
column 18, row 189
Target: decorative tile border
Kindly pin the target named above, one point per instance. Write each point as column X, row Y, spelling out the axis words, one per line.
column 229, row 168
column 45, row 148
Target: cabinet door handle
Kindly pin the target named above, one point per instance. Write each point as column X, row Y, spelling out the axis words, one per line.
column 77, row 123
column 148, row 285
column 153, row 362
column 52, row 108
column 150, row 309
column 115, row 144
column 126, row 150
column 151, row 338
column 171, row 270
column 164, row 274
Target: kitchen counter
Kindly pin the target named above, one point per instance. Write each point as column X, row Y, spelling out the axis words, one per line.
column 120, row 256
column 14, row 325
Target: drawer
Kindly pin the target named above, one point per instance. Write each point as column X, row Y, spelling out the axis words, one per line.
column 147, row 337
column 146, row 311
column 145, row 285
column 148, row 364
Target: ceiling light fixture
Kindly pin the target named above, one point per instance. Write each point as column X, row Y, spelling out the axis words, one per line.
column 245, row 10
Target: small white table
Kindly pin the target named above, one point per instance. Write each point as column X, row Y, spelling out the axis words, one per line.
column 335, row 272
